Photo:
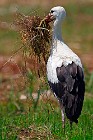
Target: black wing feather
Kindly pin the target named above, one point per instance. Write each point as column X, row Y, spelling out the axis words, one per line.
column 70, row 89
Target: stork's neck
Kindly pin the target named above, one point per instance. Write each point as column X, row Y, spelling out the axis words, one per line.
column 57, row 32
column 57, row 36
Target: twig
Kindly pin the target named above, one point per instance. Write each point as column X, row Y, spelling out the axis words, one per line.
column 11, row 57
column 9, row 26
column 42, row 28
column 15, row 53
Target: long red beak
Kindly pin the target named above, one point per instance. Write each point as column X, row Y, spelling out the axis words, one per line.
column 49, row 18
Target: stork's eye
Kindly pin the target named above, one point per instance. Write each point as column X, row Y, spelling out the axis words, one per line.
column 51, row 11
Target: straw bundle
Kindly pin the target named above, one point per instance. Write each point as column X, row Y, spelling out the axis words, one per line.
column 35, row 33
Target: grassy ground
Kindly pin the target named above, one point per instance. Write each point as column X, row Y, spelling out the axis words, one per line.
column 44, row 122
column 19, row 119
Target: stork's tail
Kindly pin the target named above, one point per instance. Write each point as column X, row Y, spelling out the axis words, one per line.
column 73, row 106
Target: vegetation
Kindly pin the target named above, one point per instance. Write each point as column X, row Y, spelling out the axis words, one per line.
column 44, row 122
column 39, row 117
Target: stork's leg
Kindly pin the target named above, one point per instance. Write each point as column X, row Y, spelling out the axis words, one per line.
column 71, row 125
column 62, row 114
column 63, row 118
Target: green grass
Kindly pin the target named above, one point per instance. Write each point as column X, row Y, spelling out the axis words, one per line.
column 44, row 120
column 89, row 82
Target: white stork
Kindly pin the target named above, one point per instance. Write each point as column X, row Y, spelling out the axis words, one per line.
column 64, row 71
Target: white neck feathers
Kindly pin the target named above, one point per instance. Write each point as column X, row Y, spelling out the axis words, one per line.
column 57, row 33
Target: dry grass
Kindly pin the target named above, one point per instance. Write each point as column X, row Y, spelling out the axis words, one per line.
column 35, row 33
column 36, row 37
column 35, row 133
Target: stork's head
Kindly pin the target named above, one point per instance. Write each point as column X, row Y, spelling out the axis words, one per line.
column 57, row 13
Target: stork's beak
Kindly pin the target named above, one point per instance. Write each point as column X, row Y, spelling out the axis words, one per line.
column 49, row 17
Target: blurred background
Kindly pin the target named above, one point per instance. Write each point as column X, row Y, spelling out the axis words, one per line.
column 77, row 32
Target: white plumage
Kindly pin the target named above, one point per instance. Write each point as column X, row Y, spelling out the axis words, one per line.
column 60, row 55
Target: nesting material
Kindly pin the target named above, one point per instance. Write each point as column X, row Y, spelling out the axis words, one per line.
column 35, row 33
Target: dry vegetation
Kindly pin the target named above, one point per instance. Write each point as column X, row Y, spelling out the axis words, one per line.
column 35, row 41
column 35, row 33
